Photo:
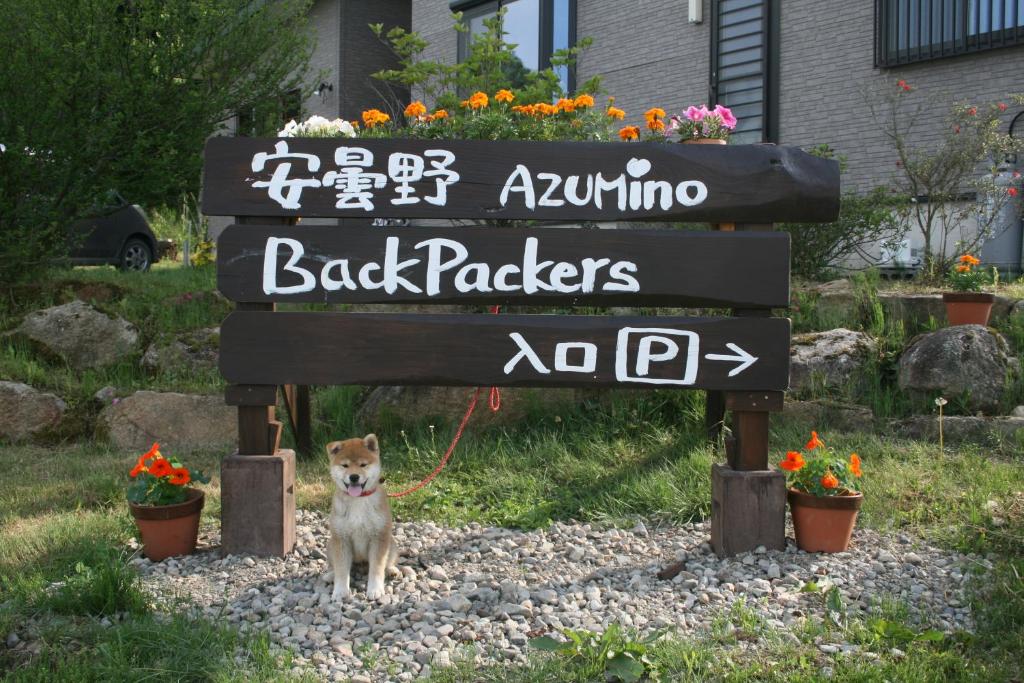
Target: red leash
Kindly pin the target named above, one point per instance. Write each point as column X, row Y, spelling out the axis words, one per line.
column 493, row 401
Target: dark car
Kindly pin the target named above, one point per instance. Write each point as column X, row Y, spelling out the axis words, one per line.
column 117, row 234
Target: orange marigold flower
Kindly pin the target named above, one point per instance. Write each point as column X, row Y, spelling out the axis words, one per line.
column 416, row 108
column 967, row 258
column 963, row 268
column 855, row 465
column 815, row 442
column 138, row 469
column 657, row 125
column 153, row 452
column 544, row 109
column 527, row 109
column 440, row 114
column 373, row 117
column 504, row 96
column 566, row 105
column 477, row 100
column 629, row 133
column 160, row 468
column 180, row 476
column 654, row 113
column 615, row 113
column 793, row 462
column 829, row 481
column 584, row 101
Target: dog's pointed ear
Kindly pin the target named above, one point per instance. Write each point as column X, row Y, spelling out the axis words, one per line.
column 334, row 448
column 370, row 441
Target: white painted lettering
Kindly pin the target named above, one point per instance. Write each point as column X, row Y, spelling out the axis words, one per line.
column 531, row 283
column 525, row 186
column 589, row 363
column 619, row 184
column 393, row 267
column 559, row 272
column 570, row 190
column 626, row 283
column 332, row 285
column 683, row 192
column 479, row 283
column 527, row 352
column 501, row 278
column 555, row 181
column 435, row 266
column 590, row 268
column 270, row 285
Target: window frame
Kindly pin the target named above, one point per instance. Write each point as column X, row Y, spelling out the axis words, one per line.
column 960, row 42
column 545, row 29
column 770, row 32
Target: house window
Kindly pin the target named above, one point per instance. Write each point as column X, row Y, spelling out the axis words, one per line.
column 909, row 31
column 537, row 28
column 743, row 65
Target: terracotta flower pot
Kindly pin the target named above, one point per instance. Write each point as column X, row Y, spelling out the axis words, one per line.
column 823, row 524
column 705, row 141
column 968, row 308
column 169, row 530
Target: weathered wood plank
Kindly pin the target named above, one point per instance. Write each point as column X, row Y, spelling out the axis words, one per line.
column 515, row 350
column 503, row 265
column 480, row 179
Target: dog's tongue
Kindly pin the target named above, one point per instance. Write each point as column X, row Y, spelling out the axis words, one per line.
column 355, row 490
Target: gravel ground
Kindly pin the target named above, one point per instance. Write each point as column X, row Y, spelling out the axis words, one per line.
column 483, row 592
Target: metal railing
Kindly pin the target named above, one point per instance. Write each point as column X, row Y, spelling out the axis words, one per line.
column 908, row 31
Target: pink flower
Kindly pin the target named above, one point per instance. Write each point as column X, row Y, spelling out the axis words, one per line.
column 695, row 114
column 673, row 125
column 724, row 113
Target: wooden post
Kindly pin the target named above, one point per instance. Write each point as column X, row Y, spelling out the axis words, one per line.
column 748, row 501
column 296, row 401
column 257, row 481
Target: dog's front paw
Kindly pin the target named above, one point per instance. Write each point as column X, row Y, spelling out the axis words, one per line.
column 374, row 592
column 340, row 593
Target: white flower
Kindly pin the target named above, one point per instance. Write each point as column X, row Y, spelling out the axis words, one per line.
column 289, row 130
column 941, row 401
column 3, row 148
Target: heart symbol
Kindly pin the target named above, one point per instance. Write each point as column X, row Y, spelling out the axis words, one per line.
column 638, row 167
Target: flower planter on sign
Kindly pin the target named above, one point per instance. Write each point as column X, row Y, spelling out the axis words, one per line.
column 169, row 530
column 823, row 524
column 705, row 141
column 968, row 308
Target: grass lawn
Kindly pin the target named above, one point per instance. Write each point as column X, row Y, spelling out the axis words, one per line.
column 63, row 518
column 64, row 523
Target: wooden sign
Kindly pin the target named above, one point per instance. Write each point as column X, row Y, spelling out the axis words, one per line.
column 479, row 179
column 733, row 354
column 503, row 265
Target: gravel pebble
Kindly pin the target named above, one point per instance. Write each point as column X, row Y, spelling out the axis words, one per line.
column 483, row 592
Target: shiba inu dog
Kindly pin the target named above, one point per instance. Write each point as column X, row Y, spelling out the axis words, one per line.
column 360, row 523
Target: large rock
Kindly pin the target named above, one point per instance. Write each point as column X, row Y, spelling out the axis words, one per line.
column 840, row 416
column 408, row 405
column 27, row 412
column 828, row 359
column 986, row 431
column 81, row 335
column 177, row 421
column 196, row 350
column 966, row 360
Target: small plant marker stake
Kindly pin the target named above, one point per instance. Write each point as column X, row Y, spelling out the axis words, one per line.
column 940, row 402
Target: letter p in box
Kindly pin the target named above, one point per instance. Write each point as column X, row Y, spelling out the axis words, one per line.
column 657, row 355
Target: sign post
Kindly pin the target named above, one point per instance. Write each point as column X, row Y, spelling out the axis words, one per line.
column 741, row 361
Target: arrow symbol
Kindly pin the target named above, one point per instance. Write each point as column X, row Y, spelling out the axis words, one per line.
column 744, row 358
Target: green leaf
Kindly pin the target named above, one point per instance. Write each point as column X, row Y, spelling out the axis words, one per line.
column 810, row 587
column 931, row 636
column 546, row 644
column 625, row 668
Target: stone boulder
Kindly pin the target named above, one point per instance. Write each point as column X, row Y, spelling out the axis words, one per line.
column 841, row 416
column 407, row 405
column 196, row 350
column 829, row 358
column 986, row 431
column 966, row 360
column 27, row 412
column 80, row 334
column 178, row 421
